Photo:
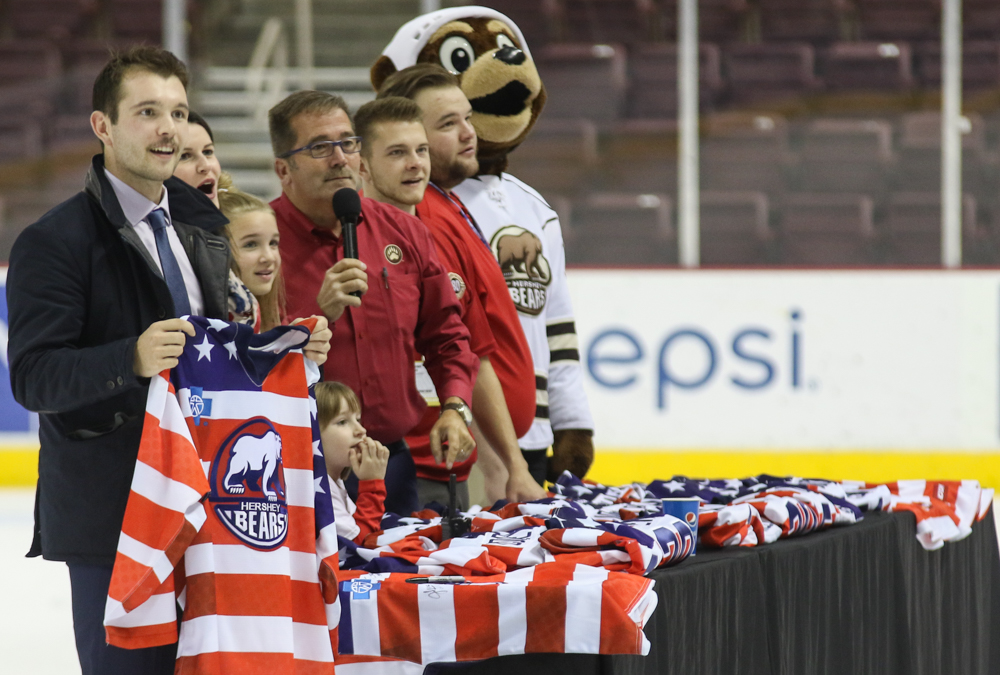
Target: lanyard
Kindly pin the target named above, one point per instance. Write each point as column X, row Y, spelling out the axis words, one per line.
column 465, row 214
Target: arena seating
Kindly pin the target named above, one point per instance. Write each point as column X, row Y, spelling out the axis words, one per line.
column 919, row 153
column 746, row 152
column 828, row 229
column 846, row 155
column 560, row 155
column 770, row 71
column 899, row 19
column 980, row 65
column 53, row 19
column 653, row 79
column 913, row 227
column 607, row 228
column 639, row 156
column 136, row 20
column 607, row 21
column 981, row 19
column 584, row 80
column 868, row 66
column 736, row 228
column 817, row 21
column 535, row 18
column 718, row 20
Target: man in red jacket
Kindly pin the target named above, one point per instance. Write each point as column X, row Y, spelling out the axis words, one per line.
column 503, row 401
column 407, row 305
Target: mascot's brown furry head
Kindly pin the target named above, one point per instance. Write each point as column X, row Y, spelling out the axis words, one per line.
column 487, row 52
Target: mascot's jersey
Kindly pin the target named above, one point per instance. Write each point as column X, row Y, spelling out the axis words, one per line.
column 230, row 512
column 524, row 233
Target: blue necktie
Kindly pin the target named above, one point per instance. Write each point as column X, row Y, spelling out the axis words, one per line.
column 171, row 270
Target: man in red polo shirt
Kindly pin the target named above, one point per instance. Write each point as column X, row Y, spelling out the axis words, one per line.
column 504, row 399
column 407, row 304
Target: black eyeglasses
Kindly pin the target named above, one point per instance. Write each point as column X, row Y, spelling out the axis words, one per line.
column 321, row 149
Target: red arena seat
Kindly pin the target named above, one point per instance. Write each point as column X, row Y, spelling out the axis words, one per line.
column 810, row 20
column 559, row 158
column 868, row 66
column 607, row 21
column 718, row 20
column 617, row 228
column 766, row 72
column 899, row 19
column 913, row 227
column 735, row 228
column 640, row 156
column 653, row 69
column 535, row 18
column 980, row 65
column 584, row 80
column 828, row 229
column 745, row 152
column 846, row 155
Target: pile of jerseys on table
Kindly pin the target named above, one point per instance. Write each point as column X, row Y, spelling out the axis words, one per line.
column 762, row 509
column 554, row 575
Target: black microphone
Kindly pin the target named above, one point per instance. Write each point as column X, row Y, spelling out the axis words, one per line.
column 347, row 208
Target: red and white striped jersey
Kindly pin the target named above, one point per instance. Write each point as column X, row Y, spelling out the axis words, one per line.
column 555, row 607
column 230, row 512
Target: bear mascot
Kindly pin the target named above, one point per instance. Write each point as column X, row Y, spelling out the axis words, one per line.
column 487, row 52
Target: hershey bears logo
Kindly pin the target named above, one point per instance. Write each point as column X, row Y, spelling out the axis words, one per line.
column 248, row 485
column 524, row 267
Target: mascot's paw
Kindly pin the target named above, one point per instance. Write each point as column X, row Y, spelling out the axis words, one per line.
column 573, row 451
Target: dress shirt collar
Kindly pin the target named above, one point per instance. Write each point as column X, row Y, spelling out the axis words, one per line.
column 302, row 223
column 134, row 205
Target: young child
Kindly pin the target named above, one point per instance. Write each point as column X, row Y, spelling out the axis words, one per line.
column 253, row 237
column 347, row 448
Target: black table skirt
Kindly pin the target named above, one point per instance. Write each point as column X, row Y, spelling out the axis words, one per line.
column 856, row 600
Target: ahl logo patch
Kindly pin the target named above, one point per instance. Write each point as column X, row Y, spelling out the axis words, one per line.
column 247, row 483
column 200, row 406
column 524, row 267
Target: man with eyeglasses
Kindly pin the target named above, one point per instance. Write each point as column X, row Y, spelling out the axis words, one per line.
column 407, row 304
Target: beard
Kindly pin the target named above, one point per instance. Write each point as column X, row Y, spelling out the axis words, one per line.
column 450, row 174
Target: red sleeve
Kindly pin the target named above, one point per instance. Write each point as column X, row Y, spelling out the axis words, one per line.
column 441, row 336
column 371, row 507
column 453, row 256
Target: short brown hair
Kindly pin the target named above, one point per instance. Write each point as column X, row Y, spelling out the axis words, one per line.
column 329, row 396
column 279, row 118
column 380, row 111
column 108, row 93
column 409, row 82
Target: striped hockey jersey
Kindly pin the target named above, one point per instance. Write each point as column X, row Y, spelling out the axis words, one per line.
column 555, row 607
column 230, row 512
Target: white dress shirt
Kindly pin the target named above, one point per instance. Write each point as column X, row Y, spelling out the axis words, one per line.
column 136, row 209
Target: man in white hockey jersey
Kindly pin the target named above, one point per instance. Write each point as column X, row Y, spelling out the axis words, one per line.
column 486, row 50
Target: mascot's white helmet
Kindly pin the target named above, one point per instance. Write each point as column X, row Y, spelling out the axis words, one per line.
column 415, row 34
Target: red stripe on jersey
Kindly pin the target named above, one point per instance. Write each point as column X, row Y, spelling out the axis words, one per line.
column 477, row 624
column 399, row 628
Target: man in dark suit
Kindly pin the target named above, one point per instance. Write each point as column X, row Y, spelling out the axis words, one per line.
column 95, row 291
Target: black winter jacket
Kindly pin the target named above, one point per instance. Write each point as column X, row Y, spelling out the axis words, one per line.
column 81, row 288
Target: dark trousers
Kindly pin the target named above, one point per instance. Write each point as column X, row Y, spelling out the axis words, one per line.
column 400, row 481
column 89, row 584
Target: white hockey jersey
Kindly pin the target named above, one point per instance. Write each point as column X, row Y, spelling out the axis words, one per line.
column 526, row 238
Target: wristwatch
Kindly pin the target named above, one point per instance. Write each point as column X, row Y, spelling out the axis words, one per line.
column 461, row 409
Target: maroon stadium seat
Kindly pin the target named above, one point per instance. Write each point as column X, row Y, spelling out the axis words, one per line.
column 919, row 153
column 913, row 226
column 980, row 65
column 827, row 229
column 811, row 20
column 535, row 18
column 846, row 155
column 760, row 72
column 583, row 80
column 640, row 156
column 140, row 20
column 623, row 229
column 981, row 20
column 868, row 66
column 899, row 19
column 52, row 19
column 27, row 61
column 735, row 228
column 718, row 20
column 653, row 69
column 558, row 157
column 741, row 151
column 607, row 21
